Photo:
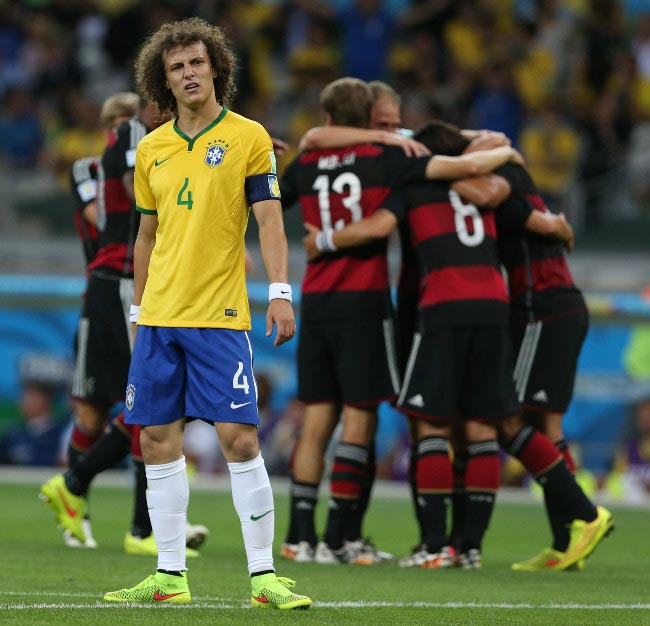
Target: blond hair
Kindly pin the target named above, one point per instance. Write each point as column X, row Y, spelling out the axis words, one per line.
column 123, row 104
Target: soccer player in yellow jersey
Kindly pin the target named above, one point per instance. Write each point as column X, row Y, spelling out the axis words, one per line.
column 195, row 179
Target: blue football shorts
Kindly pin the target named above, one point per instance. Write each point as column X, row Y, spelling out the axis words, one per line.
column 202, row 373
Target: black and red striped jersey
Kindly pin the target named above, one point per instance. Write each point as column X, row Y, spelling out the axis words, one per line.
column 456, row 245
column 83, row 182
column 539, row 279
column 335, row 188
column 117, row 219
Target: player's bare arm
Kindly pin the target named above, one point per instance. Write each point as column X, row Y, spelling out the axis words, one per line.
column 551, row 225
column 279, row 146
column 323, row 137
column 378, row 226
column 487, row 191
column 90, row 212
column 127, row 181
column 275, row 254
column 474, row 164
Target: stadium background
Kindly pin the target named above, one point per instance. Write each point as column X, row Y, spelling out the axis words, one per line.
column 568, row 82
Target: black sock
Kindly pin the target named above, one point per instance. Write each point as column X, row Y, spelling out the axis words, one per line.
column 558, row 522
column 141, row 525
column 350, row 461
column 458, row 502
column 108, row 450
column 304, row 498
column 355, row 531
column 482, row 477
column 413, row 462
column 565, row 497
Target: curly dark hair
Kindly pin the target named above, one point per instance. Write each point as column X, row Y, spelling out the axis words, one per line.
column 150, row 79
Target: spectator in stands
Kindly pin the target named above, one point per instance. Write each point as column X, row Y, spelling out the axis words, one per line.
column 37, row 440
column 21, row 133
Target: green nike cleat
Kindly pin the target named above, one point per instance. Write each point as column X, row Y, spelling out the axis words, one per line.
column 68, row 508
column 274, row 592
column 585, row 536
column 159, row 588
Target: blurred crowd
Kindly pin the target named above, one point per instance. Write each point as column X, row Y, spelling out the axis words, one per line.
column 568, row 81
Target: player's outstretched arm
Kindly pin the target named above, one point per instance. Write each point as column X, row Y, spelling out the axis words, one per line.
column 275, row 254
column 473, row 164
column 324, row 137
column 487, row 191
column 377, row 226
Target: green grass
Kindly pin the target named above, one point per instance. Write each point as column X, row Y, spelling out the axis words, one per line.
column 45, row 583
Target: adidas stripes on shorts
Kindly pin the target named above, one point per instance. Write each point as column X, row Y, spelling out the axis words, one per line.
column 547, row 358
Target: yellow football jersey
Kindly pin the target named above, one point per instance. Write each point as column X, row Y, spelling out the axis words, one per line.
column 200, row 190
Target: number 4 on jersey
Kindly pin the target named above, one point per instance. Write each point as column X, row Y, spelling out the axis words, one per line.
column 187, row 201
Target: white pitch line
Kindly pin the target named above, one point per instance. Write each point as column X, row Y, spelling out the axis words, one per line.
column 337, row 605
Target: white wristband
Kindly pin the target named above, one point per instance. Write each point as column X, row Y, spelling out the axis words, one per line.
column 280, row 291
column 134, row 313
column 325, row 241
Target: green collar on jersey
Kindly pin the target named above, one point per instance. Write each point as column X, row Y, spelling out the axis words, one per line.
column 190, row 141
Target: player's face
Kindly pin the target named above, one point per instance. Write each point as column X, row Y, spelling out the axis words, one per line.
column 385, row 114
column 189, row 74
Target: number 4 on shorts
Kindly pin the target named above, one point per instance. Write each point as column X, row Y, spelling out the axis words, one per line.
column 240, row 381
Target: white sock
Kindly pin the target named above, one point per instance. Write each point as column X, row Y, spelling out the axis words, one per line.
column 253, row 498
column 167, row 496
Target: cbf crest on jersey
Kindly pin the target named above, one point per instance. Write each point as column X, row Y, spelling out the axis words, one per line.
column 215, row 153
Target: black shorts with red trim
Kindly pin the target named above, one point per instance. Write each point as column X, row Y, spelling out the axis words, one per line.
column 103, row 341
column 547, row 358
column 347, row 361
column 459, row 370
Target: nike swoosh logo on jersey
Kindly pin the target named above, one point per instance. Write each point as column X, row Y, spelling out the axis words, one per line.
column 157, row 162
column 238, row 406
column 254, row 518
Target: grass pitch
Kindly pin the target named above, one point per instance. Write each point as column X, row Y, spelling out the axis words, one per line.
column 43, row 582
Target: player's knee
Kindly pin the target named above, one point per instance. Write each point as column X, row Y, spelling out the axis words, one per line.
column 510, row 426
column 91, row 419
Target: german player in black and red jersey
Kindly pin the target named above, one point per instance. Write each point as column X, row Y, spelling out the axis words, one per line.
column 83, row 183
column 549, row 322
column 531, row 241
column 455, row 276
column 345, row 352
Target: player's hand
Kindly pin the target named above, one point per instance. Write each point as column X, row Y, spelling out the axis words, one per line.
column 566, row 233
column 309, row 241
column 134, row 331
column 279, row 146
column 280, row 313
column 516, row 157
column 486, row 140
column 411, row 147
